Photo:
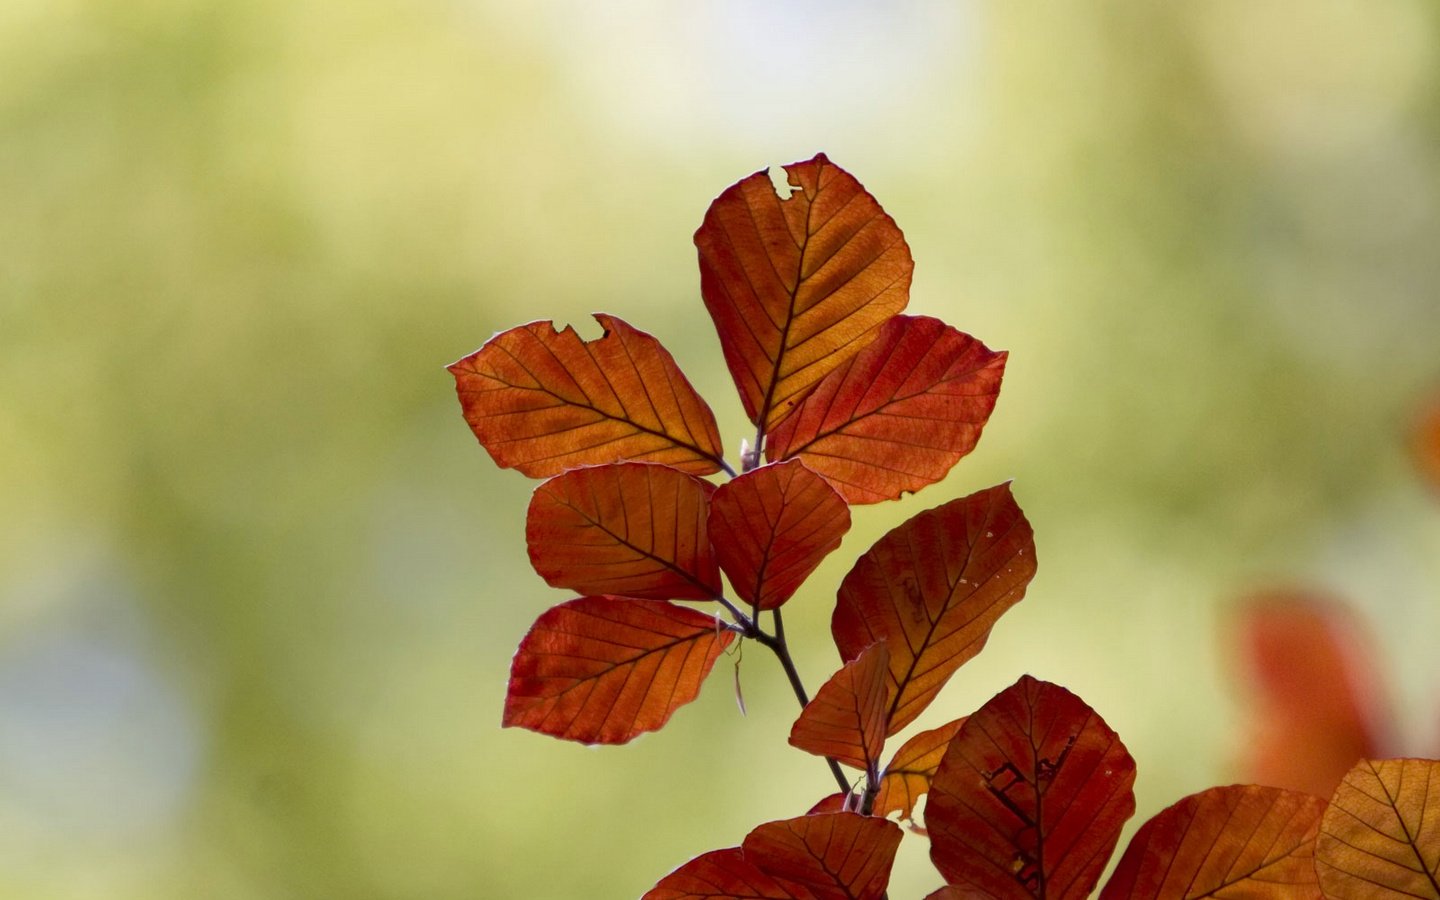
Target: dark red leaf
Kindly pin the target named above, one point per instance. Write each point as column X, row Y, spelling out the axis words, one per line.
column 799, row 285
column 846, row 719
column 1237, row 841
column 835, row 802
column 632, row 529
column 908, row 776
column 1031, row 796
column 543, row 401
column 1380, row 836
column 835, row 856
column 898, row 415
column 772, row 526
column 932, row 589
column 601, row 670
column 1317, row 698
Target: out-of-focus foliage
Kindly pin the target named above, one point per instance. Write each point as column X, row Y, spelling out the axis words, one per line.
column 260, row 587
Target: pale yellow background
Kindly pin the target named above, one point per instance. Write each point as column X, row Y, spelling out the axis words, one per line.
column 259, row 586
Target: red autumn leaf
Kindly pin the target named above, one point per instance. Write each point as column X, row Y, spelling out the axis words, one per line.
column 1317, row 699
column 1380, row 836
column 846, row 719
column 836, row 856
column 632, row 529
column 799, row 285
column 1031, row 796
column 602, row 670
column 1237, row 841
column 910, row 771
column 932, row 589
column 1425, row 442
column 898, row 415
column 543, row 401
column 835, row 802
column 772, row 526
column 950, row 892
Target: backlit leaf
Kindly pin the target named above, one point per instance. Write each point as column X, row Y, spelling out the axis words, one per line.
column 1380, row 837
column 908, row 776
column 1316, row 691
column 846, row 719
column 932, row 589
column 1228, row 842
column 836, row 856
column 899, row 414
column 543, row 401
column 1031, row 796
column 634, row 529
column 602, row 670
column 772, row 526
column 799, row 285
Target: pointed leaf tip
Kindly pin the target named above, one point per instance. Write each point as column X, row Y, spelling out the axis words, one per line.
column 846, row 719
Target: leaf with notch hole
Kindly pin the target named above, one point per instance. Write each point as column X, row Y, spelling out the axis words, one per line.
column 846, row 719
column 543, row 401
column 772, row 526
column 1380, row 836
column 796, row 286
column 632, row 529
column 835, row 856
column 601, row 670
column 899, row 414
column 1031, row 796
column 908, row 776
column 1229, row 842
column 932, row 589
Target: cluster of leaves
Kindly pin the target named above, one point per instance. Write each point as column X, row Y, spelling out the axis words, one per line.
column 854, row 402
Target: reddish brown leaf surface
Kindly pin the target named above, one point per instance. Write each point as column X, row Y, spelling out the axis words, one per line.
column 1380, row 837
column 908, row 776
column 898, row 415
column 932, row 589
column 846, row 719
column 543, row 401
column 772, row 526
column 1031, row 796
column 1316, row 692
column 602, row 670
column 1425, row 442
column 634, row 529
column 836, row 856
column 1228, row 842
column 799, row 285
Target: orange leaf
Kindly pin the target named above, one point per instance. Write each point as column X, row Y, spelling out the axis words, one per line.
column 1031, row 796
column 632, row 529
column 899, row 414
column 932, row 589
column 846, row 720
column 910, row 771
column 543, row 401
column 772, row 527
column 602, row 670
column 1237, row 841
column 1315, row 687
column 799, row 285
column 1425, row 442
column 1380, row 837
column 835, row 856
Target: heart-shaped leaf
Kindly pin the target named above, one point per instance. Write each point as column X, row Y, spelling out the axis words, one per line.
column 798, row 285
column 543, row 401
column 846, row 719
column 1237, row 841
column 932, row 589
column 632, row 529
column 601, row 670
column 772, row 526
column 1030, row 798
column 908, row 776
column 835, row 856
column 1380, row 836
column 898, row 415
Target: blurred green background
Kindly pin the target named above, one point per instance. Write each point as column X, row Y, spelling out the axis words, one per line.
column 259, row 586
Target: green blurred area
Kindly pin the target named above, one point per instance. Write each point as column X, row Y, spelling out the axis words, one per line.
column 259, row 586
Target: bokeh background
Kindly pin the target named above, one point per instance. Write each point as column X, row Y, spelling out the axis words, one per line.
column 259, row 585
